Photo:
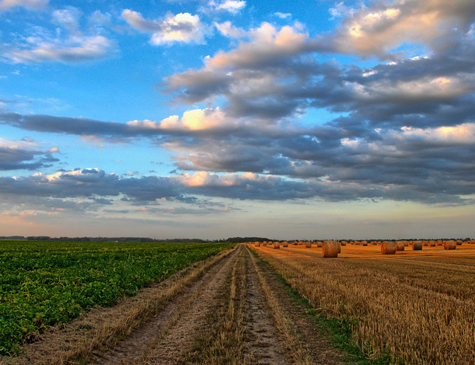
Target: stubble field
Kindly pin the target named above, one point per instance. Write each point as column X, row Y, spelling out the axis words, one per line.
column 413, row 307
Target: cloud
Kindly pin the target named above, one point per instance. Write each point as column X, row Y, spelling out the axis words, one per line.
column 276, row 74
column 290, row 126
column 67, row 18
column 21, row 155
column 72, row 46
column 229, row 30
column 181, row 28
column 383, row 27
column 193, row 120
column 6, row 5
column 248, row 76
column 53, row 124
column 231, row 6
column 266, row 43
column 89, row 183
column 427, row 164
column 283, row 15
column 73, row 50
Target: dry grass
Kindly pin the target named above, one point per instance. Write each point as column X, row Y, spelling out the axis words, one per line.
column 417, row 306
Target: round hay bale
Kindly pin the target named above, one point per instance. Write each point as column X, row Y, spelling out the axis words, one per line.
column 406, row 243
column 388, row 248
column 431, row 244
column 257, row 244
column 416, row 245
column 450, row 245
column 276, row 245
column 459, row 242
column 400, row 246
column 308, row 245
column 330, row 249
column 343, row 243
column 320, row 244
column 285, row 244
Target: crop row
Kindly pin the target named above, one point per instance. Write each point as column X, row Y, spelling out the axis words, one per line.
column 46, row 283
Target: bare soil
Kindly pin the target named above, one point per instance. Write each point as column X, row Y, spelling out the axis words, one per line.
column 228, row 309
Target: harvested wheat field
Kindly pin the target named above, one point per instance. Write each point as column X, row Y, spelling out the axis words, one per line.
column 414, row 307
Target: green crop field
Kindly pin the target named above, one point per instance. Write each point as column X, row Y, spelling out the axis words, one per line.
column 46, row 283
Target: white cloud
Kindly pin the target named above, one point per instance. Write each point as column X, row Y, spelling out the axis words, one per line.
column 85, row 175
column 231, row 6
column 67, row 18
column 137, row 21
column 72, row 50
column 384, row 26
column 459, row 134
column 28, row 4
column 182, row 27
column 230, row 31
column 267, row 43
column 426, row 88
column 204, row 178
column 282, row 15
column 193, row 120
column 100, row 19
column 68, row 46
column 7, row 143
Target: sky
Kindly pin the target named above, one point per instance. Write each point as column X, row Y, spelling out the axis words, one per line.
column 309, row 119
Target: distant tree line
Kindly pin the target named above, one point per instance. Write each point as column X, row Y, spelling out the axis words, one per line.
column 245, row 239
column 101, row 239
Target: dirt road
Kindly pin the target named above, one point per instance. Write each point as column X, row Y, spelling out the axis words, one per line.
column 229, row 309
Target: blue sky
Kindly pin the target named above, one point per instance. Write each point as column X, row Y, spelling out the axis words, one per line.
column 217, row 118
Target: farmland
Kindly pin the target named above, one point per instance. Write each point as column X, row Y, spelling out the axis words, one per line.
column 414, row 307
column 46, row 283
column 243, row 304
